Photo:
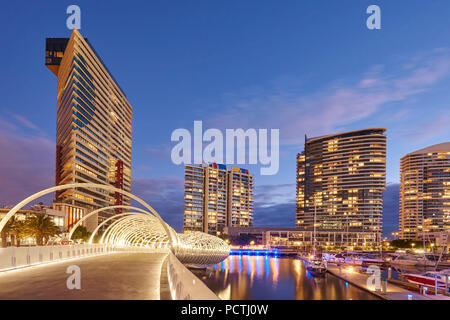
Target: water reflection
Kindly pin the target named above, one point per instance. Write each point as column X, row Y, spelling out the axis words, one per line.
column 262, row 277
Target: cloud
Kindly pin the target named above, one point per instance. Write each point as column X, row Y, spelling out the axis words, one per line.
column 275, row 205
column 279, row 215
column 27, row 162
column 165, row 195
column 160, row 153
column 335, row 105
column 434, row 128
column 268, row 195
column 27, row 123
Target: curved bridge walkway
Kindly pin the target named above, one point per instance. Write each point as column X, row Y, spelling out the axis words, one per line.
column 123, row 275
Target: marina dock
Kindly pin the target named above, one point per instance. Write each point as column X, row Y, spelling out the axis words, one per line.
column 392, row 291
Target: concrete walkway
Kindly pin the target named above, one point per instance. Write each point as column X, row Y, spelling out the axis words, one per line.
column 393, row 291
column 110, row 276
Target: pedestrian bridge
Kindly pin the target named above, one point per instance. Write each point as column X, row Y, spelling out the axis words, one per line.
column 138, row 256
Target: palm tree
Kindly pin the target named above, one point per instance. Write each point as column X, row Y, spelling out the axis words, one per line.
column 42, row 227
column 7, row 231
column 20, row 230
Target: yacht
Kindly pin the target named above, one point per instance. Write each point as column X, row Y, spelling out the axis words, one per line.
column 429, row 278
column 368, row 260
column 317, row 267
column 412, row 260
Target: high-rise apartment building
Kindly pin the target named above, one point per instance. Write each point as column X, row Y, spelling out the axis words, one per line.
column 94, row 120
column 425, row 192
column 340, row 183
column 216, row 197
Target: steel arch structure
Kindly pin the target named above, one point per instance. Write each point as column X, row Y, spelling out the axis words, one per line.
column 129, row 229
column 90, row 214
column 142, row 228
column 202, row 249
column 91, row 239
column 172, row 237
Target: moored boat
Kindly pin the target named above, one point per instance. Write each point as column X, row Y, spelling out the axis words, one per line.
column 412, row 260
column 367, row 261
column 429, row 278
column 316, row 268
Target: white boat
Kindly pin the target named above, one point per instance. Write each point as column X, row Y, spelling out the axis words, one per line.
column 367, row 261
column 336, row 258
column 317, row 268
column 427, row 260
column 412, row 260
column 429, row 278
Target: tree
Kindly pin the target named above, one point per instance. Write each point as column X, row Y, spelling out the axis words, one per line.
column 6, row 231
column 81, row 233
column 41, row 227
column 406, row 244
column 16, row 229
column 20, row 231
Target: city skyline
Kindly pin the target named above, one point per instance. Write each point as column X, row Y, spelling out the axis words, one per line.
column 400, row 87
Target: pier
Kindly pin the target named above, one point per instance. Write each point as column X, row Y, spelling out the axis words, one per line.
column 388, row 290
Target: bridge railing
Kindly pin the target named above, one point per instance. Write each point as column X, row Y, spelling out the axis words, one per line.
column 17, row 257
column 184, row 285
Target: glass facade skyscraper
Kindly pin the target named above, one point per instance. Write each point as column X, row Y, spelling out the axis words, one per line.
column 425, row 192
column 216, row 197
column 340, row 183
column 94, row 125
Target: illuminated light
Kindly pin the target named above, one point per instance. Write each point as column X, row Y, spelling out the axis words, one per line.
column 145, row 229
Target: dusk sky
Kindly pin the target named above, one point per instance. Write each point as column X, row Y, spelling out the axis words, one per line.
column 304, row 67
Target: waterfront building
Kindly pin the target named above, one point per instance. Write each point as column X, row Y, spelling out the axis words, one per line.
column 425, row 193
column 60, row 217
column 216, row 197
column 340, row 182
column 94, row 126
column 303, row 240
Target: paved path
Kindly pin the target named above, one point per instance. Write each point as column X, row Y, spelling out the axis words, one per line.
column 110, row 276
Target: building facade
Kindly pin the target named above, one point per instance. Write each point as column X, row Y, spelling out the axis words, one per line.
column 216, row 197
column 94, row 126
column 425, row 192
column 340, row 183
column 58, row 217
column 303, row 240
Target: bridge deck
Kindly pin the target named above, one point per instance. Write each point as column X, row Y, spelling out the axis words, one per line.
column 111, row 276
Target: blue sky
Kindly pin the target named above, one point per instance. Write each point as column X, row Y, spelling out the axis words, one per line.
column 304, row 67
